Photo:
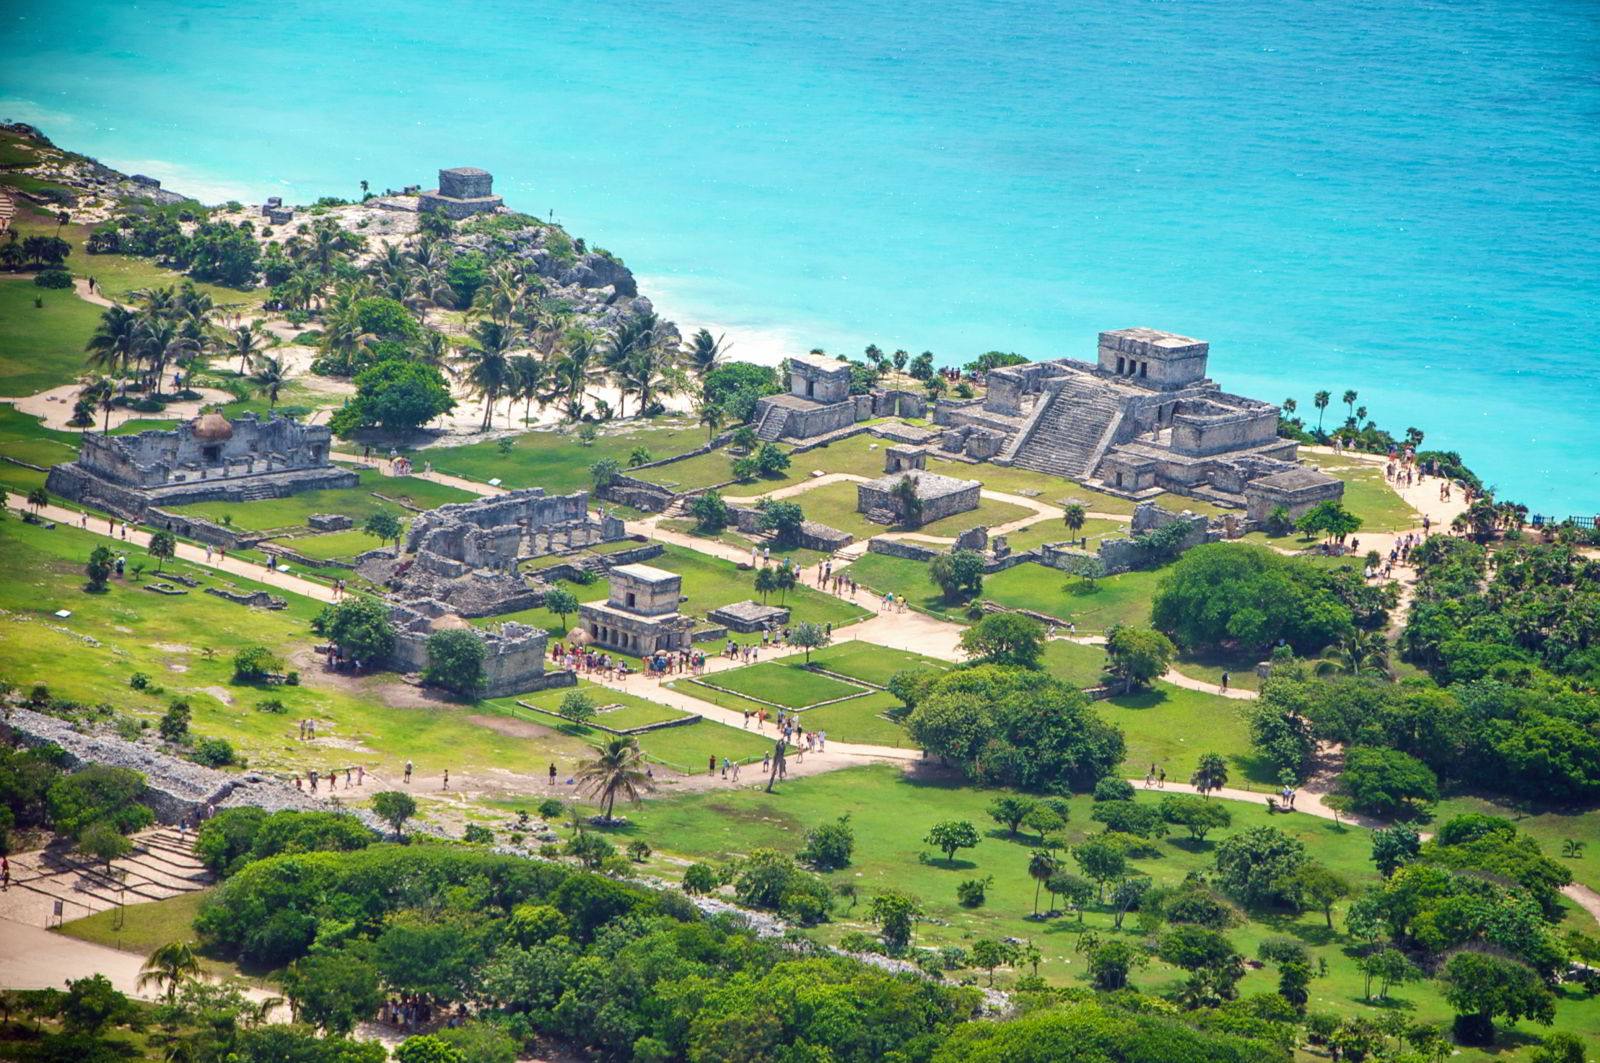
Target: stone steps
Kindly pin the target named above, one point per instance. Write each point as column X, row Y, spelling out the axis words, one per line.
column 773, row 422
column 161, row 866
column 1066, row 439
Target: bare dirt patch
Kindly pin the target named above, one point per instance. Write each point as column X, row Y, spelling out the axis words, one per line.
column 507, row 725
column 222, row 694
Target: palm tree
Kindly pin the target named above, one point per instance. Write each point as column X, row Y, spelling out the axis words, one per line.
column 1041, row 865
column 160, row 340
column 616, row 769
column 711, row 416
column 1074, row 514
column 434, row 349
column 1320, row 401
column 243, row 343
column 12, row 255
column 905, row 495
column 500, row 297
column 527, row 375
column 115, row 340
column 169, row 965
column 574, row 369
column 1349, row 399
column 1212, row 774
column 1289, row 405
column 488, row 365
column 703, row 354
column 1358, row 653
column 269, row 378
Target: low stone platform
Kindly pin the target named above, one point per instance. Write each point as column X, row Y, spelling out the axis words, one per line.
column 748, row 616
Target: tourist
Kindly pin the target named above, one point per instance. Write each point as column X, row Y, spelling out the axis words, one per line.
column 766, row 762
column 408, row 771
column 552, row 773
column 724, row 765
column 361, row 775
column 445, row 785
column 311, row 776
column 349, row 774
column 1224, row 680
column 5, row 873
column 1161, row 779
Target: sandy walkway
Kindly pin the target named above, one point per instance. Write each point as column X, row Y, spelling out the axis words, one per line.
column 54, row 407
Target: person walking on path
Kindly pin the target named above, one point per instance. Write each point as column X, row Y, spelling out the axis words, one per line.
column 408, row 771
column 445, row 785
column 552, row 773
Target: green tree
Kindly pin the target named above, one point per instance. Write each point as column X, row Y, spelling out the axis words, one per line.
column 269, row 378
column 1005, row 639
column 1222, row 593
column 1561, row 1047
column 395, row 395
column 710, row 512
column 604, row 473
column 829, row 845
column 699, row 879
column 361, row 628
column 1482, row 988
column 990, row 953
column 100, row 566
column 896, row 915
column 1041, row 865
column 1212, row 774
column 1137, row 655
column 907, row 501
column 578, row 705
column 1253, row 863
column 561, row 602
column 1102, row 860
column 169, row 966
column 1320, row 401
column 1312, row 886
column 163, row 544
column 1009, row 810
column 1196, row 816
column 783, row 519
column 455, row 661
column 102, row 841
column 99, row 793
column 809, row 636
column 957, row 573
column 384, row 527
column 1110, row 964
column 332, row 990
column 952, row 835
column 617, row 768
column 428, row 1048
column 174, row 725
column 1388, row 967
column 1393, row 847
column 771, row 459
column 1074, row 514
column 1385, row 782
column 38, row 498
column 394, row 808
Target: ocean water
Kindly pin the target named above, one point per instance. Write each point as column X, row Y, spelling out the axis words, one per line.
column 1395, row 196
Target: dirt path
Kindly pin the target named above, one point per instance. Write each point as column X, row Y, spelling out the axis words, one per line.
column 54, row 408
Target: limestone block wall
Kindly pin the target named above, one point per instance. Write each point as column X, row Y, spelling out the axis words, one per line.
column 818, row 420
column 1204, row 434
column 871, row 496
column 897, row 402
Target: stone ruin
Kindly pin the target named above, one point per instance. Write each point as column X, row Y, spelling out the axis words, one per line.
column 941, row 496
column 466, row 555
column 463, row 191
column 640, row 614
column 209, row 459
column 514, row 654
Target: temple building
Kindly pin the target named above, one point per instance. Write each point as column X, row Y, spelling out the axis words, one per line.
column 640, row 616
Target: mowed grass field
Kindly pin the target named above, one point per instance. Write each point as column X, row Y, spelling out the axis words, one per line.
column 41, row 347
column 556, row 459
column 357, row 503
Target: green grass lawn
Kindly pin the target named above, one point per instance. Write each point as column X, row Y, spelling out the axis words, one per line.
column 357, row 503
column 24, row 438
column 1094, row 607
column 168, row 639
column 621, row 709
column 1209, row 665
column 43, row 347
column 784, row 683
column 834, row 504
column 555, row 459
column 1367, row 494
column 860, row 454
column 1172, row 727
column 146, row 927
column 1072, row 662
column 1052, row 490
column 870, row 662
column 709, row 582
column 329, row 545
column 728, row 537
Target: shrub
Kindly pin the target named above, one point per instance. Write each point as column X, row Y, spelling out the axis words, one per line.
column 1112, row 788
column 699, row 879
column 53, row 278
column 828, row 847
column 254, row 664
column 551, row 808
column 139, row 681
column 272, row 705
column 971, row 893
column 174, row 726
column 213, row 752
column 477, row 834
column 639, row 851
column 455, row 661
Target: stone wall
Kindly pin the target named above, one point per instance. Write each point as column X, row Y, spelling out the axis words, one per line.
column 630, row 491
column 818, row 420
column 251, row 445
column 897, row 402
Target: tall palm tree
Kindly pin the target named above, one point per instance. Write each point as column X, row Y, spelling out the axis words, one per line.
column 1074, row 514
column 269, row 378
column 617, row 768
column 574, row 370
column 501, row 296
column 1349, row 399
column 169, row 966
column 704, row 353
column 712, row 416
column 1320, row 401
column 487, row 365
column 160, row 340
column 115, row 340
column 527, row 374
column 1041, row 865
column 243, row 343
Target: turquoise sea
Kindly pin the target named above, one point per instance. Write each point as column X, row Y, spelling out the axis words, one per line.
column 1395, row 196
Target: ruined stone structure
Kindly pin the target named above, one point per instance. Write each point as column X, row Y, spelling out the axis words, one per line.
column 514, row 654
column 1142, row 419
column 640, row 616
column 941, row 496
column 208, row 459
column 818, row 402
column 899, row 457
column 1297, row 490
column 462, row 192
column 466, row 555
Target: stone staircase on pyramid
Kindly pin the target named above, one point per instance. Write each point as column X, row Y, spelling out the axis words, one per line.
column 773, row 422
column 1069, row 431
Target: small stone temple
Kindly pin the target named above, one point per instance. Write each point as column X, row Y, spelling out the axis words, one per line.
column 941, row 496
column 748, row 616
column 640, row 616
column 463, row 191
column 514, row 654
column 1141, row 419
column 209, row 459
column 818, row 401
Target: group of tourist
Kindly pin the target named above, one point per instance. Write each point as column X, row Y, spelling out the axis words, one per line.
column 585, row 661
column 413, row 1011
column 663, row 663
column 356, row 776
